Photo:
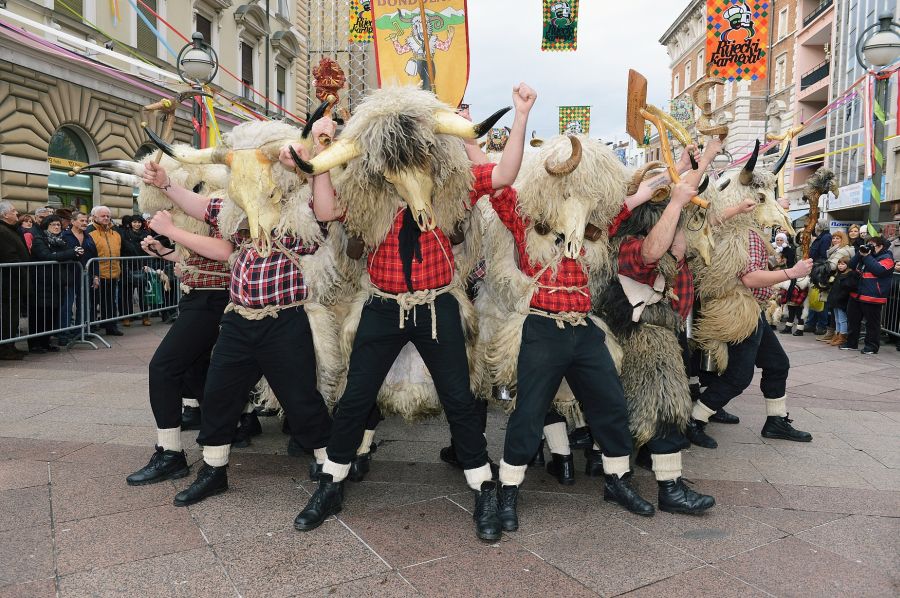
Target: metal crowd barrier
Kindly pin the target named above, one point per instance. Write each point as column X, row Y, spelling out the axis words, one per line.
column 890, row 314
column 75, row 302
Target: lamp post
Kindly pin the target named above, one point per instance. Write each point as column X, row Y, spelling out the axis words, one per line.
column 197, row 65
column 879, row 46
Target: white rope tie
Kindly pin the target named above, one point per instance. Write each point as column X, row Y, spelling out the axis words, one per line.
column 258, row 313
column 409, row 301
column 575, row 318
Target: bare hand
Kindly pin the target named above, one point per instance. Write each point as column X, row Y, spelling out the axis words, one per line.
column 79, row 251
column 683, row 193
column 284, row 156
column 801, row 268
column 155, row 175
column 523, row 98
column 96, row 283
column 746, row 206
column 324, row 127
column 713, row 148
column 684, row 161
column 162, row 223
column 151, row 246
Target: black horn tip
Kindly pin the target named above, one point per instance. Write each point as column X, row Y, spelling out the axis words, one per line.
column 694, row 165
column 703, row 185
column 486, row 125
column 724, row 185
column 157, row 140
column 782, row 160
column 300, row 162
column 319, row 113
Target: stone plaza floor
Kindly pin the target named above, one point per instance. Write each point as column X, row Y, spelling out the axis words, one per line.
column 819, row 519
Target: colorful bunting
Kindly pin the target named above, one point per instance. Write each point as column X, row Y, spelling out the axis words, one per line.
column 737, row 33
column 560, row 26
column 575, row 120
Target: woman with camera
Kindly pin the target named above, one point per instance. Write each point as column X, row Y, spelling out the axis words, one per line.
column 874, row 266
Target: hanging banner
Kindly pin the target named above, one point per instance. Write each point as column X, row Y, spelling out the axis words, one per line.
column 737, row 33
column 574, row 120
column 403, row 57
column 360, row 21
column 560, row 26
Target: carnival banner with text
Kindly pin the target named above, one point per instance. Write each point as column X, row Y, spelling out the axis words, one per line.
column 560, row 31
column 360, row 21
column 575, row 120
column 737, row 33
column 403, row 57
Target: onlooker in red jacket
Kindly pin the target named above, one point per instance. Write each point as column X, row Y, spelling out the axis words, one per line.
column 874, row 265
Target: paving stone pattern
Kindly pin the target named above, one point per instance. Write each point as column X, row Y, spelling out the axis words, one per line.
column 819, row 519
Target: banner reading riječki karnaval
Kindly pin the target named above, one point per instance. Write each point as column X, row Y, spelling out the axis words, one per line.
column 737, row 33
column 405, row 58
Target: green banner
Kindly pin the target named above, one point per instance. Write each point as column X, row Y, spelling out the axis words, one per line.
column 560, row 26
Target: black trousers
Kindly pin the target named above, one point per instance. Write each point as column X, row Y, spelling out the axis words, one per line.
column 378, row 341
column 281, row 349
column 856, row 311
column 668, row 440
column 578, row 353
column 761, row 350
column 179, row 365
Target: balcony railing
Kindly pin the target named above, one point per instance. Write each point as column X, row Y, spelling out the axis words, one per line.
column 822, row 7
column 816, row 74
column 818, row 135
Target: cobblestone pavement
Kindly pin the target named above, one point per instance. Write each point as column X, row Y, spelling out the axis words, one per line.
column 819, row 519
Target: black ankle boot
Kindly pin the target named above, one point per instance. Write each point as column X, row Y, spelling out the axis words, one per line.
column 248, row 427
column 210, row 481
column 538, row 459
column 190, row 418
column 507, row 500
column 359, row 467
column 619, row 491
column 163, row 465
column 580, row 438
column 593, row 467
column 780, row 427
column 676, row 497
column 326, row 501
column 448, row 455
column 315, row 471
column 563, row 467
column 723, row 417
column 697, row 434
column 487, row 520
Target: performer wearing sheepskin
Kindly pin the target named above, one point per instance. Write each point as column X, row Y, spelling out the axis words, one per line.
column 405, row 182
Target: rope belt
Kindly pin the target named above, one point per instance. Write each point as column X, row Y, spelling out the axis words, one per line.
column 575, row 318
column 258, row 313
column 409, row 301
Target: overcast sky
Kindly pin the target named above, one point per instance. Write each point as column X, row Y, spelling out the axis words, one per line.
column 613, row 36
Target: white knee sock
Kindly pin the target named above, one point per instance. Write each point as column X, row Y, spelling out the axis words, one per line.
column 321, row 455
column 475, row 477
column 701, row 412
column 511, row 475
column 217, row 456
column 776, row 407
column 249, row 407
column 169, row 438
column 366, row 444
column 338, row 472
column 557, row 439
column 616, row 465
column 667, row 467
column 190, row 402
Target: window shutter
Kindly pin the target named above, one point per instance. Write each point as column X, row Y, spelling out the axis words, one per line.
column 204, row 26
column 146, row 39
column 280, row 79
column 247, row 63
column 76, row 5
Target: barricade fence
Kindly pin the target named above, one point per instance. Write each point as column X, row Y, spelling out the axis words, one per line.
column 890, row 314
column 77, row 302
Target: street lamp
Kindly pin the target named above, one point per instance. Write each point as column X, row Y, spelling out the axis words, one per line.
column 877, row 47
column 197, row 65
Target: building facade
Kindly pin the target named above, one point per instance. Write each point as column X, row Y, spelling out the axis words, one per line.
column 74, row 75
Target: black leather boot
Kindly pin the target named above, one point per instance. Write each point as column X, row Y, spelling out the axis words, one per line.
column 593, row 467
column 563, row 467
column 676, row 497
column 210, row 481
column 359, row 467
column 580, row 438
column 619, row 491
column 248, row 427
column 697, row 435
column 780, row 427
column 538, row 459
column 326, row 501
column 723, row 417
column 448, row 455
column 507, row 500
column 487, row 520
column 163, row 465
column 190, row 418
column 315, row 471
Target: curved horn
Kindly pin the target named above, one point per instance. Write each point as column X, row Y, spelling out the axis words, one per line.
column 338, row 153
column 319, row 113
column 570, row 164
column 126, row 166
column 436, row 18
column 210, row 155
column 724, row 184
column 535, row 140
column 747, row 171
column 450, row 123
column 782, row 160
column 119, row 178
column 703, row 185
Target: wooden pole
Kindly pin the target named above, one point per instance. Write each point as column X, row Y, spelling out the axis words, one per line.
column 426, row 41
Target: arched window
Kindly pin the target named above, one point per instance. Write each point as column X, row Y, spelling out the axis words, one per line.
column 65, row 144
column 67, row 149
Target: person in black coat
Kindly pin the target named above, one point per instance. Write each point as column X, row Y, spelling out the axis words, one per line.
column 77, row 237
column 133, row 230
column 48, row 282
column 12, row 250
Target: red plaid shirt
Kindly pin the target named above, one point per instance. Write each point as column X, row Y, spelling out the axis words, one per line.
column 568, row 275
column 257, row 281
column 204, row 273
column 436, row 268
column 631, row 264
column 759, row 260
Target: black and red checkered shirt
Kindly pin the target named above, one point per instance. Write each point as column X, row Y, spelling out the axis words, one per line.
column 204, row 273
column 562, row 290
column 759, row 260
column 436, row 268
column 258, row 281
column 631, row 264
